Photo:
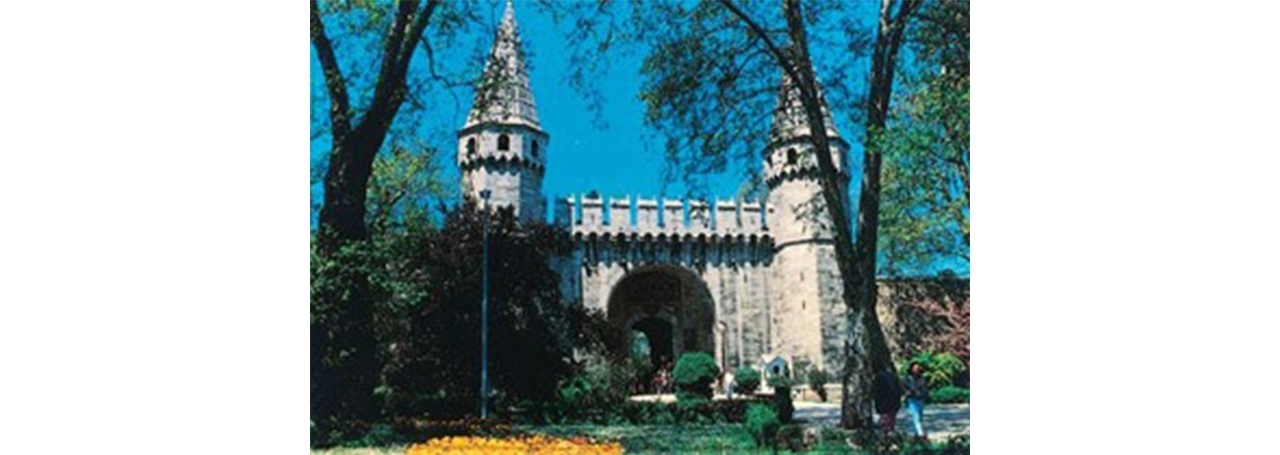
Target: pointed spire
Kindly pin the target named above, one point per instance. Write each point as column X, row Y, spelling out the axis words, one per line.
column 789, row 118
column 503, row 95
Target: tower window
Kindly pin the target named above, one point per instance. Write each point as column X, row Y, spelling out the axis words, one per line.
column 504, row 143
column 535, row 149
column 471, row 147
column 791, row 157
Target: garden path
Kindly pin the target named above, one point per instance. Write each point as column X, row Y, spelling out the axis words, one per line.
column 941, row 421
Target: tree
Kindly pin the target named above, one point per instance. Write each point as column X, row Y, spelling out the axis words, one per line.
column 925, row 216
column 344, row 359
column 707, row 65
column 868, row 349
column 533, row 334
column 402, row 187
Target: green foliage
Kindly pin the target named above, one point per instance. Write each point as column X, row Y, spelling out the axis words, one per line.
column 791, row 437
column 782, row 403
column 925, row 174
column 949, row 394
column 652, row 413
column 694, row 374
column 595, row 392
column 403, row 184
column 940, row 368
column 344, row 360
column 746, row 380
column 661, row 439
column 818, row 379
column 738, row 438
column 762, row 422
column 432, row 367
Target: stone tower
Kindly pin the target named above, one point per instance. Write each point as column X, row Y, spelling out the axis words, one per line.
column 502, row 146
column 808, row 308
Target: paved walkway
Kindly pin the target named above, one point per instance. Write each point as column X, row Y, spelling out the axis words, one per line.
column 940, row 420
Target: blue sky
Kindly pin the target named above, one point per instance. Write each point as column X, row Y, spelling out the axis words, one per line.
column 582, row 156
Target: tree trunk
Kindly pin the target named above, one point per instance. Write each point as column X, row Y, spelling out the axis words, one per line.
column 344, row 381
column 863, row 321
column 344, row 350
column 865, row 347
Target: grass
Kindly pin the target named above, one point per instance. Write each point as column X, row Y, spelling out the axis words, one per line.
column 655, row 439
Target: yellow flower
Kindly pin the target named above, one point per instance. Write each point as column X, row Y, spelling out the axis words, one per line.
column 536, row 444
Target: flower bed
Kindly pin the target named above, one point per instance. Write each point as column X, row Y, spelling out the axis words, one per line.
column 537, row 444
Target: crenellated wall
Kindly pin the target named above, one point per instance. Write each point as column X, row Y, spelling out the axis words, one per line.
column 686, row 219
column 726, row 245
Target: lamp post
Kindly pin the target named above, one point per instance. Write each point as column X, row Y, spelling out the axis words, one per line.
column 484, row 314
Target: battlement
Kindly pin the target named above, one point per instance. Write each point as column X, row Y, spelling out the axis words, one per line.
column 638, row 217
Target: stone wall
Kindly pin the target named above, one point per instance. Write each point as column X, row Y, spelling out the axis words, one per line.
column 724, row 246
column 766, row 300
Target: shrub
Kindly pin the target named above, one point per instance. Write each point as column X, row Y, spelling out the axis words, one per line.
column 746, row 380
column 762, row 422
column 791, row 437
column 781, row 384
column 427, row 292
column 694, row 374
column 940, row 368
column 818, row 381
column 949, row 394
column 593, row 393
column 782, row 403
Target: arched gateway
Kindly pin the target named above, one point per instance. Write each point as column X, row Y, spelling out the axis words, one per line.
column 689, row 276
column 670, row 306
column 744, row 280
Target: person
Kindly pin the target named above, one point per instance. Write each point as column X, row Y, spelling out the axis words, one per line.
column 887, row 394
column 728, row 384
column 664, row 380
column 917, row 393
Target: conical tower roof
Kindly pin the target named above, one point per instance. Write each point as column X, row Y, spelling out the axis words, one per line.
column 789, row 119
column 503, row 95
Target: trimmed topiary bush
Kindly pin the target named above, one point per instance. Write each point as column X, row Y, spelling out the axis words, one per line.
column 746, row 380
column 694, row 374
column 762, row 422
column 782, row 403
column 782, row 396
column 818, row 382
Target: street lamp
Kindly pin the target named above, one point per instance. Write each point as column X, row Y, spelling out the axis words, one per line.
column 484, row 314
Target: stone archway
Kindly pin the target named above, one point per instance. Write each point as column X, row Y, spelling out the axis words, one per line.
column 670, row 305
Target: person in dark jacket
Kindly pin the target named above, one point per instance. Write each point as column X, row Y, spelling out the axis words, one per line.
column 917, row 394
column 888, row 398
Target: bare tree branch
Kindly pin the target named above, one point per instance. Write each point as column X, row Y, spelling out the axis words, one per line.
column 339, row 103
column 387, row 82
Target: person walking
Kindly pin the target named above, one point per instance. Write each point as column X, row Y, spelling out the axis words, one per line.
column 887, row 394
column 917, row 394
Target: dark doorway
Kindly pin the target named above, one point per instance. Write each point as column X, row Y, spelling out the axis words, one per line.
column 661, row 342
